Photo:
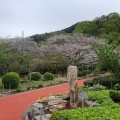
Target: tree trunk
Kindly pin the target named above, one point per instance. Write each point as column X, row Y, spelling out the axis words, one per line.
column 72, row 82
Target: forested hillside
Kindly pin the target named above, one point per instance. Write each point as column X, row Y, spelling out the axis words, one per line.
column 106, row 27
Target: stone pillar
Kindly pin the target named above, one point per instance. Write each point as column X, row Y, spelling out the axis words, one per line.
column 72, row 83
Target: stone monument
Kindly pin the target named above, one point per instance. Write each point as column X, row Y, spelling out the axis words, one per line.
column 72, row 83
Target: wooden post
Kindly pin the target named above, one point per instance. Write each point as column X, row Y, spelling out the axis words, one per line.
column 72, row 82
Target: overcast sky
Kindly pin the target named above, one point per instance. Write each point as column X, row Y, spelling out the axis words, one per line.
column 40, row 16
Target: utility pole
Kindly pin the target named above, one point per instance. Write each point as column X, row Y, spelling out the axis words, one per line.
column 23, row 34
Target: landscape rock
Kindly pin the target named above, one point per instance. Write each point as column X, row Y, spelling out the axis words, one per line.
column 84, row 96
column 33, row 112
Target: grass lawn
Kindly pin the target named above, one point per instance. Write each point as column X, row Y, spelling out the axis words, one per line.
column 44, row 83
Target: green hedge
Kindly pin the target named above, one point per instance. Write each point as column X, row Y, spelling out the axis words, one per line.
column 115, row 95
column 106, row 81
column 11, row 80
column 48, row 76
column 35, row 76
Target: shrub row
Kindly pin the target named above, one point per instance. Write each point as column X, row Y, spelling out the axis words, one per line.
column 37, row 76
column 106, row 81
column 11, row 80
column 115, row 95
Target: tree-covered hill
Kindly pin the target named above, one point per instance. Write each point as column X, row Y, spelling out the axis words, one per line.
column 70, row 29
column 42, row 37
column 105, row 26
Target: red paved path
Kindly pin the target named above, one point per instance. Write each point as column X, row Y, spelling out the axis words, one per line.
column 12, row 106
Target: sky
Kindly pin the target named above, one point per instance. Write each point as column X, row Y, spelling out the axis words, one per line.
column 41, row 16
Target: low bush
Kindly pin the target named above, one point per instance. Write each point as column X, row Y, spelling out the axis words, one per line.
column 58, row 116
column 106, row 81
column 29, row 88
column 101, row 97
column 35, row 76
column 98, row 87
column 33, row 87
column 116, row 86
column 83, row 88
column 40, row 85
column 48, row 76
column 115, row 95
column 11, row 80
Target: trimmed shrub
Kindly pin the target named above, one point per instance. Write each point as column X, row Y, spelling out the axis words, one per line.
column 48, row 76
column 35, row 76
column 115, row 95
column 11, row 80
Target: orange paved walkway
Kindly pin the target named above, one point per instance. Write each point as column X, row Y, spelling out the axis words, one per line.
column 12, row 106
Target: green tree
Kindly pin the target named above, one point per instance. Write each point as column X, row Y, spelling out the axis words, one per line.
column 3, row 55
column 109, row 58
column 4, row 48
column 86, row 27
